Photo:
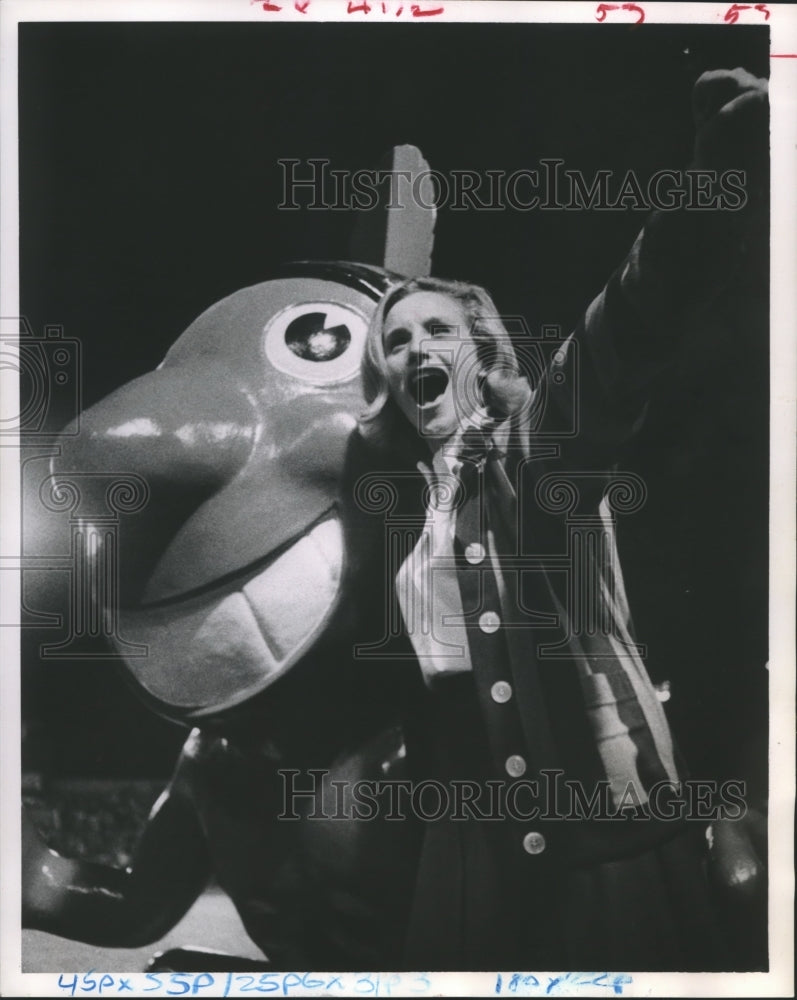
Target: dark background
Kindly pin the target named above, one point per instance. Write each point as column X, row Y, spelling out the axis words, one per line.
column 149, row 187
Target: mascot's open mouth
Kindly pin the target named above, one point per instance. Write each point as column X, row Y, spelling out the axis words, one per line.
column 217, row 647
column 428, row 384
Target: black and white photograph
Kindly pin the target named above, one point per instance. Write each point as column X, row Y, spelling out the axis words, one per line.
column 394, row 548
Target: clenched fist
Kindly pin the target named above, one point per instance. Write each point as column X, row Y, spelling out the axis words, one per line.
column 731, row 114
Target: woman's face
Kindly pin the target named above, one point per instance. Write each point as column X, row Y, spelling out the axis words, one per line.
column 428, row 346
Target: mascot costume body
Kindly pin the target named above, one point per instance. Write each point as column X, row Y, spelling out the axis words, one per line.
column 230, row 594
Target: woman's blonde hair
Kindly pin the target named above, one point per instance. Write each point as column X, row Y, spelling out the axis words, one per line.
column 504, row 389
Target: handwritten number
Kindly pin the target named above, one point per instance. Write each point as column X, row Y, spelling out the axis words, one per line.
column 268, row 983
column 732, row 13
column 175, row 980
column 604, row 8
column 181, row 984
column 67, row 986
column 364, row 7
column 527, row 984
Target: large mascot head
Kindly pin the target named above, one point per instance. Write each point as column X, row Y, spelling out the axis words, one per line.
column 232, row 570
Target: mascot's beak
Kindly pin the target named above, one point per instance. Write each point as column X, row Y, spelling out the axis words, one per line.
column 233, row 569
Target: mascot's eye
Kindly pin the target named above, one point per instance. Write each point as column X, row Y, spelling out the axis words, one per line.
column 309, row 338
column 318, row 342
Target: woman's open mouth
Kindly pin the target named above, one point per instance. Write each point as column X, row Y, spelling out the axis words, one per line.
column 427, row 385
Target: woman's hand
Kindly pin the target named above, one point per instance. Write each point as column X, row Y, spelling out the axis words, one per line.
column 731, row 115
column 738, row 874
column 737, row 852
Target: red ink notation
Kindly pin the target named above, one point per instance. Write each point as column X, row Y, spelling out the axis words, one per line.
column 732, row 13
column 604, row 8
column 416, row 9
column 361, row 7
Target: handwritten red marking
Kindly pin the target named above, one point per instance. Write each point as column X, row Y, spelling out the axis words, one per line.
column 384, row 9
column 302, row 7
column 355, row 8
column 418, row 12
column 271, row 6
column 398, row 12
column 732, row 13
column 604, row 8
